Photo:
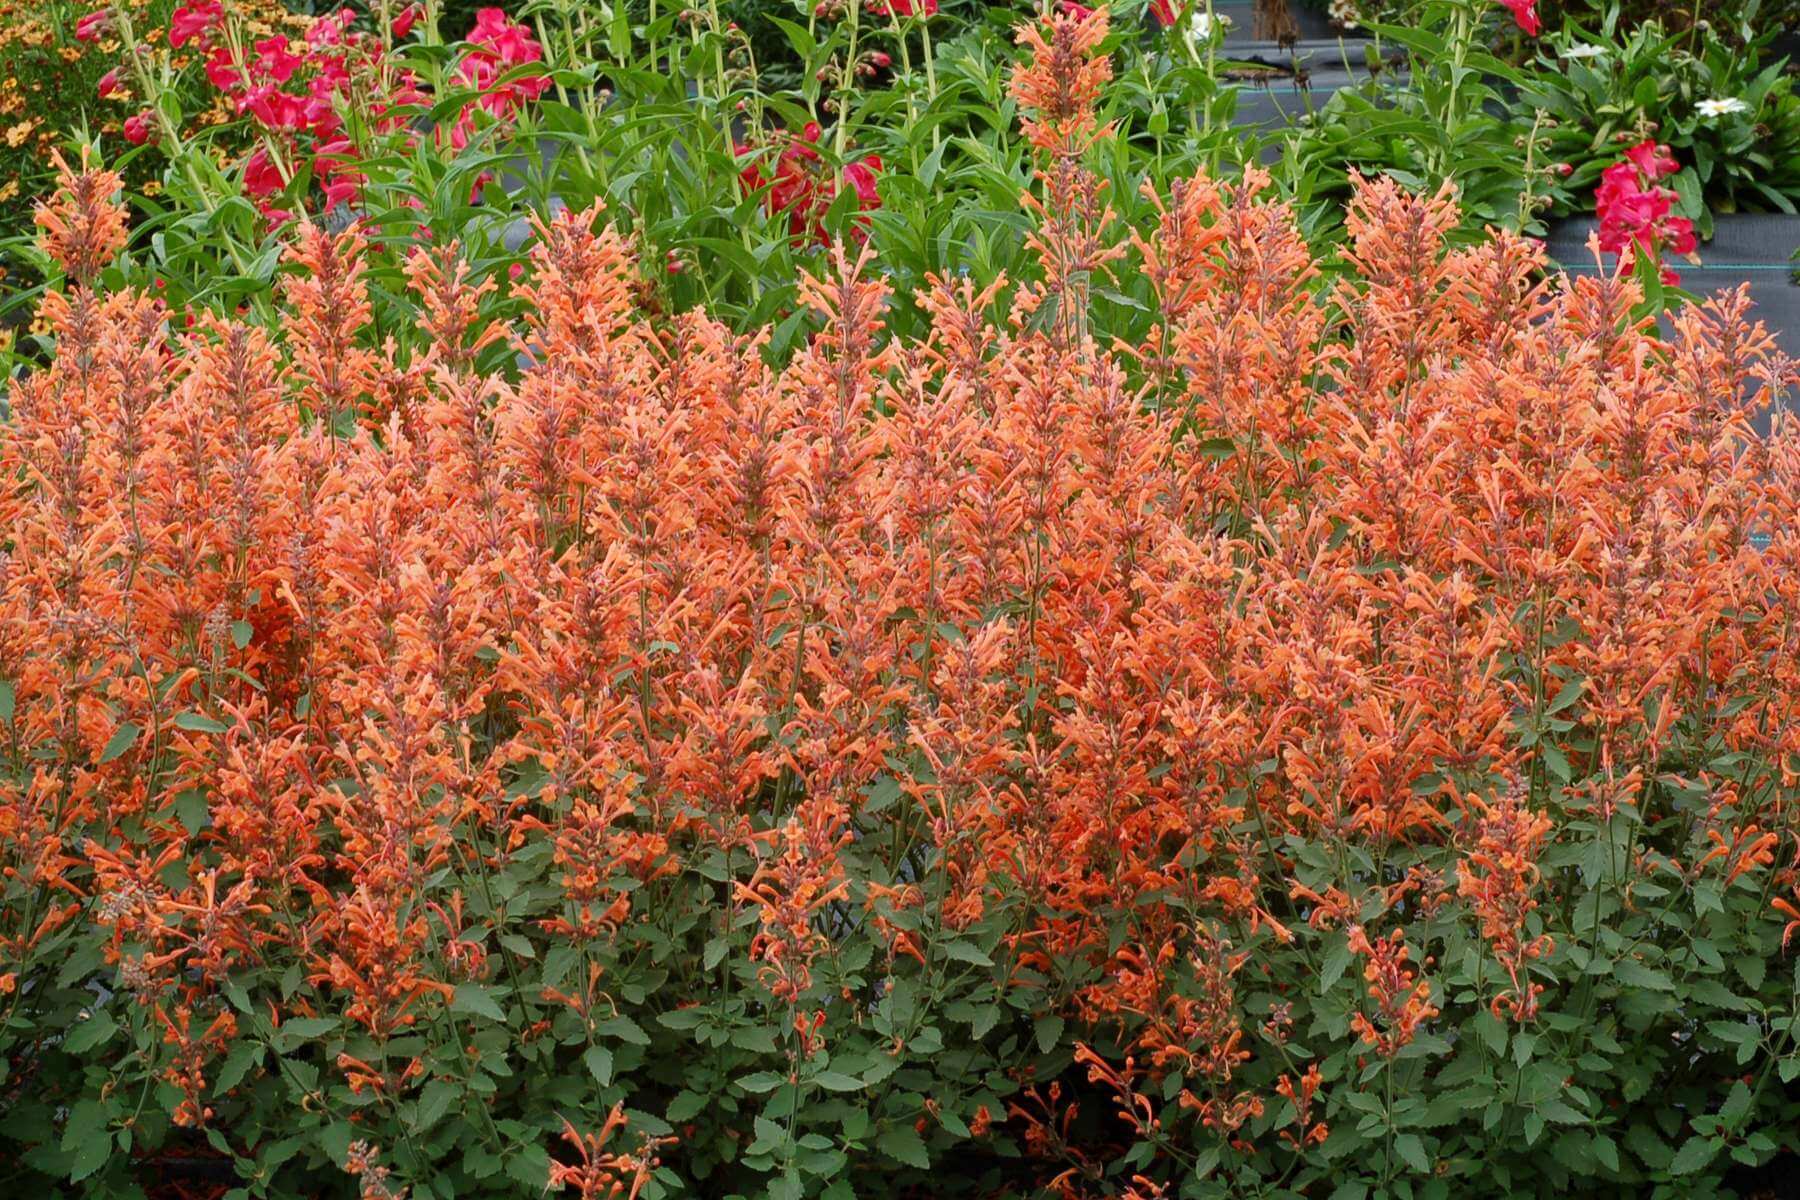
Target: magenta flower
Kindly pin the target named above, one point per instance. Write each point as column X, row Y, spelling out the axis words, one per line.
column 194, row 22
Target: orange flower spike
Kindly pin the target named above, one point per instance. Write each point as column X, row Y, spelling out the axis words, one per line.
column 330, row 306
column 1064, row 79
column 1499, row 877
column 83, row 222
column 1402, row 1001
column 601, row 1173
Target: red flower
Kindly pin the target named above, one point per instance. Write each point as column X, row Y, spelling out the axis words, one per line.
column 861, row 178
column 1166, row 12
column 274, row 59
column 409, row 16
column 194, row 22
column 1524, row 12
column 90, row 27
column 1653, row 160
column 911, row 8
column 1080, row 12
column 261, row 178
column 801, row 187
column 137, row 128
column 508, row 39
column 109, row 84
column 222, row 72
column 1635, row 213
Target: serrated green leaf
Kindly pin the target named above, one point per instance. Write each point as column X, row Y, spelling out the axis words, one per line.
column 92, row 1032
column 1695, row 1153
column 434, row 1101
column 476, row 1000
column 837, row 1081
column 123, row 739
column 599, row 1062
column 624, row 1029
column 1409, row 1147
column 903, row 1143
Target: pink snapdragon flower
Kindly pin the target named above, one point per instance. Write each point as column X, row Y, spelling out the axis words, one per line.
column 1635, row 211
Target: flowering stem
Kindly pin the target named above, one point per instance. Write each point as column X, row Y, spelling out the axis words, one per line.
column 931, row 88
column 847, row 82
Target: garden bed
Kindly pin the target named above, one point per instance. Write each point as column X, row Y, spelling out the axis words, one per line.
column 658, row 602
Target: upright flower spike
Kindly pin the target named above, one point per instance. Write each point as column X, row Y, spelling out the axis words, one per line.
column 1059, row 88
column 83, row 221
column 1498, row 877
column 330, row 304
column 1057, row 92
column 601, row 1171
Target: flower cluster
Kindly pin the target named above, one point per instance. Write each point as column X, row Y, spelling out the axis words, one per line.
column 298, row 94
column 1635, row 210
column 802, row 186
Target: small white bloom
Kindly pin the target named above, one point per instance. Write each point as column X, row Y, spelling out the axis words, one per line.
column 1201, row 27
column 1721, row 108
column 1584, row 50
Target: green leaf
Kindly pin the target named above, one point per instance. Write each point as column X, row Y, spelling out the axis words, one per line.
column 6, row 702
column 837, row 1081
column 90, row 1033
column 1337, row 960
column 1695, row 1153
column 1492, row 1031
column 123, row 739
column 243, row 1056
column 1634, row 973
column 91, row 1153
column 964, row 952
column 476, row 1000
column 199, row 723
column 302, row 1029
column 758, row 1082
column 1736, row 1105
column 684, row 1106
column 1409, row 1147
column 192, row 810
column 530, row 1166
column 1606, row 1151
column 599, row 1061
column 625, row 1029
column 434, row 1101
column 902, row 1142
column 1049, row 1031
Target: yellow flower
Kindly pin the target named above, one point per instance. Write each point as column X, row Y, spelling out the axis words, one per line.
column 15, row 137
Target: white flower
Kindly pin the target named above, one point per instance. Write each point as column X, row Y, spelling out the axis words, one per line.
column 1201, row 27
column 1584, row 50
column 1721, row 108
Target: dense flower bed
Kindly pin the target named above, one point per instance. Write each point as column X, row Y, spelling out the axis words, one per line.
column 1346, row 739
